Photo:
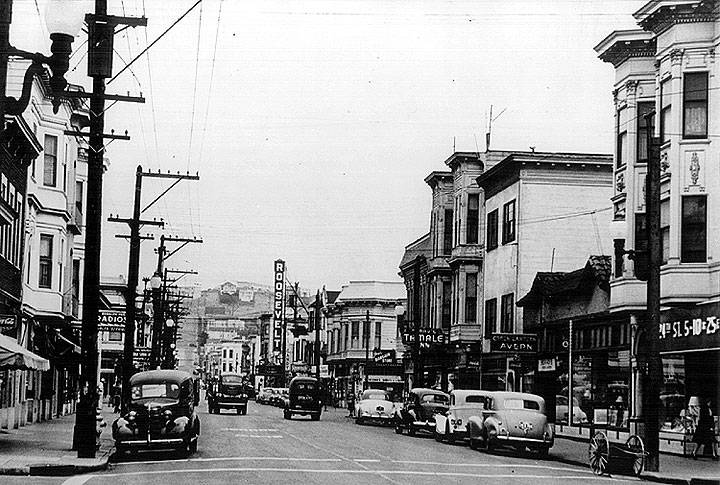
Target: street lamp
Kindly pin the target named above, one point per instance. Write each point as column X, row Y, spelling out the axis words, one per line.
column 63, row 18
column 157, row 327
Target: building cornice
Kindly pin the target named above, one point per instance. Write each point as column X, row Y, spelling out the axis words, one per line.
column 622, row 45
column 659, row 15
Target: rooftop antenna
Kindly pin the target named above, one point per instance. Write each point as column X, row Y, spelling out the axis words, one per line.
column 453, row 144
column 489, row 127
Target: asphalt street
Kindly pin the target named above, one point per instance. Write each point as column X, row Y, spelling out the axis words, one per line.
column 263, row 448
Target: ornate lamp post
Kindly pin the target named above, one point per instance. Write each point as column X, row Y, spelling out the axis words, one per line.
column 64, row 18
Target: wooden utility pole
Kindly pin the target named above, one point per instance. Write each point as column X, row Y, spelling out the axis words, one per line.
column 101, row 29
column 653, row 373
column 316, row 354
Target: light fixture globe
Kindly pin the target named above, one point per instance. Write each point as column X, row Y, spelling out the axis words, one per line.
column 66, row 17
column 155, row 281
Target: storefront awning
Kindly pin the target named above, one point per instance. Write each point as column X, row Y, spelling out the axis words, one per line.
column 13, row 356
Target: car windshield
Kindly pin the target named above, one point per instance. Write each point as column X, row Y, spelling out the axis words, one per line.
column 168, row 390
column 522, row 404
column 305, row 386
column 231, row 380
column 475, row 399
column 376, row 395
column 434, row 398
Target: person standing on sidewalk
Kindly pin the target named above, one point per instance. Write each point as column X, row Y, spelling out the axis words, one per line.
column 705, row 431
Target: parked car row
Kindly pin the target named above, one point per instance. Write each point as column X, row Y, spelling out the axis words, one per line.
column 484, row 419
column 274, row 396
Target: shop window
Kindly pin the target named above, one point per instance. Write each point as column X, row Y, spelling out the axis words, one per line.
column 50, row 161
column 665, row 110
column 491, row 240
column 473, row 219
column 694, row 229
column 645, row 127
column 507, row 313
column 695, row 104
column 378, row 335
column 447, row 231
column 618, row 259
column 46, row 256
column 508, row 229
column 115, row 336
column 490, row 317
column 347, row 336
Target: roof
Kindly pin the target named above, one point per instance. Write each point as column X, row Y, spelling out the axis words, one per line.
column 373, row 290
column 161, row 375
column 554, row 284
column 621, row 45
column 427, row 390
column 463, row 393
column 435, row 177
column 659, row 15
column 507, row 171
column 459, row 157
column 421, row 247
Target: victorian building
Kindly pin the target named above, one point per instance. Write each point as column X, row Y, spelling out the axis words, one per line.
column 668, row 67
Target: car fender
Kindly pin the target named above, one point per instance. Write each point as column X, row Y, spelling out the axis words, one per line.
column 474, row 427
column 440, row 420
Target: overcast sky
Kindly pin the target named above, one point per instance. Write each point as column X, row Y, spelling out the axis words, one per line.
column 313, row 123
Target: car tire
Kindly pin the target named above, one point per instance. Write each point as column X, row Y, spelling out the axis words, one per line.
column 438, row 436
column 448, row 435
column 398, row 429
column 411, row 430
column 193, row 446
column 359, row 421
column 543, row 452
column 473, row 444
column 287, row 415
column 239, row 410
column 315, row 417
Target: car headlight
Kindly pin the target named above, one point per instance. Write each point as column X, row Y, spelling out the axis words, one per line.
column 131, row 416
column 168, row 414
column 458, row 422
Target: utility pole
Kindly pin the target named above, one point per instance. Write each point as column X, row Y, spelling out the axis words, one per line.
column 316, row 354
column 135, row 223
column 101, row 29
column 159, row 290
column 419, row 374
column 366, row 334
column 653, row 373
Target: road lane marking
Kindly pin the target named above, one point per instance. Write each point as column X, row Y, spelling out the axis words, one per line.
column 366, row 460
column 488, row 465
column 366, row 472
column 258, row 436
column 330, row 452
column 256, row 430
column 78, row 480
column 230, row 458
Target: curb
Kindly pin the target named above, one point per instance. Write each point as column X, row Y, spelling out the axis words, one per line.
column 651, row 477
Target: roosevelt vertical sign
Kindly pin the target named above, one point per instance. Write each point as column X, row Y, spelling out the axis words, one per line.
column 279, row 300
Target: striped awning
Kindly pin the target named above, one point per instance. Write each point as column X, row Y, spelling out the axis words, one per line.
column 14, row 356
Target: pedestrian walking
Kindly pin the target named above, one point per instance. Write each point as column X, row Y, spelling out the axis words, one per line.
column 351, row 404
column 704, row 435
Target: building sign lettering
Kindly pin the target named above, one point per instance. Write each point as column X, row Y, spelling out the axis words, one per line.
column 278, row 305
column 426, row 336
column 111, row 321
column 690, row 329
column 513, row 343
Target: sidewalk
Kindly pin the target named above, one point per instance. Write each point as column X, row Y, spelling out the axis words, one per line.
column 45, row 449
column 673, row 469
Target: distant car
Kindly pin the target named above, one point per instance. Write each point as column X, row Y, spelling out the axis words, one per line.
column 419, row 409
column 561, row 411
column 514, row 419
column 264, row 395
column 279, row 397
column 375, row 405
column 452, row 425
column 228, row 392
column 304, row 398
column 161, row 413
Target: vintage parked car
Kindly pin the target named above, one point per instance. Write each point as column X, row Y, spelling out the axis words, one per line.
column 161, row 413
column 228, row 392
column 280, row 398
column 419, row 409
column 451, row 426
column 512, row 419
column 374, row 405
column 561, row 411
column 304, row 398
column 263, row 396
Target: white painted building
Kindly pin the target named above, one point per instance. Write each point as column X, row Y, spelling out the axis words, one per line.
column 669, row 64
